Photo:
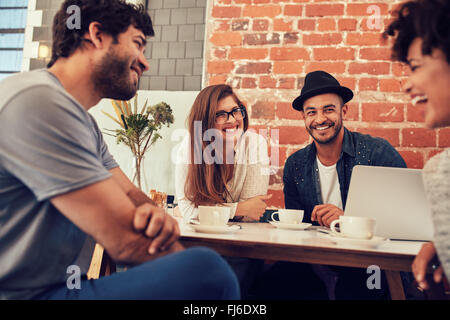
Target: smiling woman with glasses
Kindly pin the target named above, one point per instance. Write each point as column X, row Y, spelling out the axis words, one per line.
column 239, row 175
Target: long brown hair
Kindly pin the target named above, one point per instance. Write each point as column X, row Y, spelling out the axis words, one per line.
column 206, row 183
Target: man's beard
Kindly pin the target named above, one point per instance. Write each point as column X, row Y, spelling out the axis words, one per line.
column 111, row 77
column 337, row 126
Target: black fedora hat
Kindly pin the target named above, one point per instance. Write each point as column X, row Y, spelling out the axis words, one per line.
column 320, row 82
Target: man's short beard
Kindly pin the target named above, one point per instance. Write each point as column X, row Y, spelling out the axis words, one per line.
column 111, row 77
column 338, row 128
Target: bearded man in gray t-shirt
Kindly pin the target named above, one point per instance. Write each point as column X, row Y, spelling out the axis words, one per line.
column 61, row 190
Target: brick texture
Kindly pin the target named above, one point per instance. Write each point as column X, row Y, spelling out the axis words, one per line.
column 264, row 49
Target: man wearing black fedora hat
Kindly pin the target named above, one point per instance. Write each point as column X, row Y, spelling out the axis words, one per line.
column 317, row 177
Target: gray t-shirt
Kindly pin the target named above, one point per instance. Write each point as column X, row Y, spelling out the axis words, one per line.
column 49, row 145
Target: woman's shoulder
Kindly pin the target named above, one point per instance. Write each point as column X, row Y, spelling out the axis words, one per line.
column 252, row 147
column 437, row 169
column 440, row 162
column 254, row 138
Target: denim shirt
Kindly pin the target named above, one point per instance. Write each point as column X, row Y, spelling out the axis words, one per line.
column 301, row 175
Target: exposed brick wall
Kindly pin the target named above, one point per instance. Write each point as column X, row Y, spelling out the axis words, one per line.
column 264, row 48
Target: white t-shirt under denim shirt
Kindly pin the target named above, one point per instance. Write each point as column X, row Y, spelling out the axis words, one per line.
column 329, row 184
column 250, row 177
column 49, row 145
column 331, row 194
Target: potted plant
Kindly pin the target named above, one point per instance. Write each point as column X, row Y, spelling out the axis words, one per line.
column 139, row 130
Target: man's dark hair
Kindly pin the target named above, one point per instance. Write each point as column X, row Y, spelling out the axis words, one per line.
column 115, row 16
column 425, row 19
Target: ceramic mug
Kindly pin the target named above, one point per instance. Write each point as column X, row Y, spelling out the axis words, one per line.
column 291, row 216
column 213, row 215
column 354, row 227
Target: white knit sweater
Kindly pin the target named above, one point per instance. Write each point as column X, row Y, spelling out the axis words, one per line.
column 436, row 176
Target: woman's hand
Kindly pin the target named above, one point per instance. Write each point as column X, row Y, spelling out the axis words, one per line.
column 426, row 257
column 254, row 207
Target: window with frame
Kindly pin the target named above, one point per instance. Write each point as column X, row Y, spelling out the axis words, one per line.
column 13, row 19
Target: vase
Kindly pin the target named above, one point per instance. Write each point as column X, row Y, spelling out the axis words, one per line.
column 139, row 178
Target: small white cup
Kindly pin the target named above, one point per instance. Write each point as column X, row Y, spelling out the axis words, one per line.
column 354, row 227
column 213, row 215
column 292, row 216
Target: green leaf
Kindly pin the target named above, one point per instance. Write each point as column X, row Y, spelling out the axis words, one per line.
column 142, row 128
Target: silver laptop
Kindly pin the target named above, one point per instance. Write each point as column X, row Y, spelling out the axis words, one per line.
column 395, row 197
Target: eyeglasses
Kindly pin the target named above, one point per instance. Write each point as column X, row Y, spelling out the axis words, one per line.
column 237, row 113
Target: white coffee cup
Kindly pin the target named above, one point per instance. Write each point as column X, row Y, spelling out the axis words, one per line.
column 213, row 215
column 354, row 227
column 291, row 216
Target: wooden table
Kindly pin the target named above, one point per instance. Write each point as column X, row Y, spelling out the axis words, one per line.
column 264, row 241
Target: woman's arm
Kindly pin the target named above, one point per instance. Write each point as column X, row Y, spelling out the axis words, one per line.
column 254, row 191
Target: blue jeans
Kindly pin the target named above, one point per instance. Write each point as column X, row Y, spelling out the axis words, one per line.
column 191, row 274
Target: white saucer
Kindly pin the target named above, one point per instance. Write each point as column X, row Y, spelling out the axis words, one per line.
column 215, row 229
column 290, row 226
column 364, row 243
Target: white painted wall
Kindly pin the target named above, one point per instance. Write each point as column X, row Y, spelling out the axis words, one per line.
column 31, row 48
column 159, row 167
